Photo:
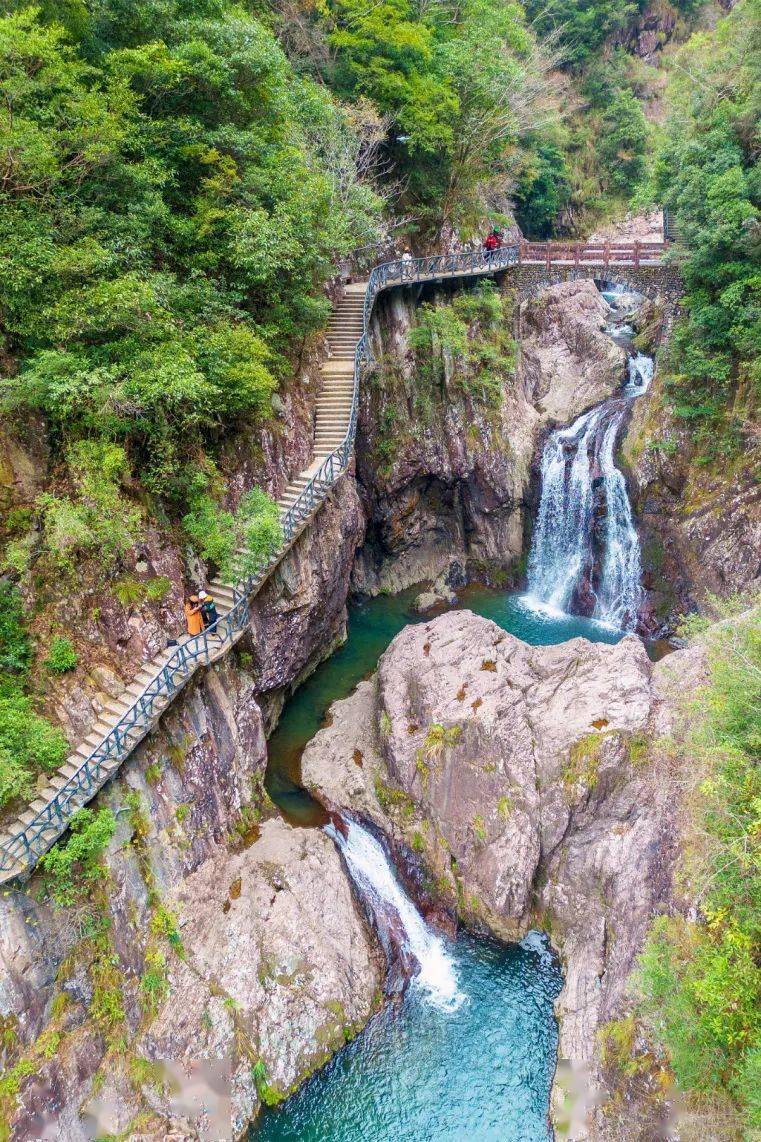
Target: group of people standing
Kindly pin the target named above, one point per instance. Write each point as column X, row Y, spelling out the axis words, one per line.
column 200, row 613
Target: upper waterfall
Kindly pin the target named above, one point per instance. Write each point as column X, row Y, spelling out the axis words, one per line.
column 585, row 553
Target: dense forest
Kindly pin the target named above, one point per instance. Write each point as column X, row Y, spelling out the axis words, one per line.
column 180, row 181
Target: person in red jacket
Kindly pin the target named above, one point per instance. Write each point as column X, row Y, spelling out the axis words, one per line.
column 491, row 243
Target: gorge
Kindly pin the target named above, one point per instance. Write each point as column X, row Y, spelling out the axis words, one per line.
column 267, row 873
column 380, row 542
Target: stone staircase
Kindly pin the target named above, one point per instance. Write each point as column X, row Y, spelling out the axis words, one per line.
column 333, row 413
column 125, row 720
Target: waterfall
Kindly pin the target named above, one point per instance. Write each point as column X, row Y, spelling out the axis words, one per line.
column 390, row 905
column 585, row 554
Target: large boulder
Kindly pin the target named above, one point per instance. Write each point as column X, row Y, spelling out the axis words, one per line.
column 569, row 362
column 520, row 788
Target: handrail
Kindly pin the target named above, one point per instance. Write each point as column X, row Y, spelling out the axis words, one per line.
column 27, row 845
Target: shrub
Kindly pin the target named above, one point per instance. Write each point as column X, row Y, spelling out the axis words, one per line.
column 700, row 979
column 15, row 647
column 100, row 520
column 62, row 656
column 217, row 534
column 72, row 867
column 28, row 744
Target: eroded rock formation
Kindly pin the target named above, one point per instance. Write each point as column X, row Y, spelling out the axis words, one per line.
column 457, row 484
column 527, row 781
column 211, row 926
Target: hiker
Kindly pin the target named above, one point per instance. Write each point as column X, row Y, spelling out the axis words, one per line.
column 499, row 236
column 491, row 243
column 193, row 616
column 208, row 610
column 406, row 256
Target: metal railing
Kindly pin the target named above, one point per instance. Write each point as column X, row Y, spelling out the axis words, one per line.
column 21, row 850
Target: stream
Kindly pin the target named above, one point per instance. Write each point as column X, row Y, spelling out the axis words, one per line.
column 469, row 1050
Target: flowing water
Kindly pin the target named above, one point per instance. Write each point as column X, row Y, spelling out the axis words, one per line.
column 389, row 903
column 469, row 1051
column 585, row 552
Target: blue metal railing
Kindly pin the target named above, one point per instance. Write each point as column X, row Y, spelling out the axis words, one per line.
column 22, row 849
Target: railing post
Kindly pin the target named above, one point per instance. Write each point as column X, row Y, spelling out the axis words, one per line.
column 636, row 254
column 576, row 252
column 606, row 254
column 548, row 255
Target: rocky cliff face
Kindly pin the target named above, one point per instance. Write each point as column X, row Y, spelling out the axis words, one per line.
column 455, row 484
column 527, row 780
column 700, row 526
column 208, row 946
column 205, row 954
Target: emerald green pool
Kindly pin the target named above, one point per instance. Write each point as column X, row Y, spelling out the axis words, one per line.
column 481, row 1071
column 373, row 623
column 418, row 1073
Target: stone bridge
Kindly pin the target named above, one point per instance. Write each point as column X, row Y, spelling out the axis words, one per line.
column 637, row 267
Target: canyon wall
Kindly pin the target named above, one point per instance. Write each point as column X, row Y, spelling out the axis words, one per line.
column 454, row 484
column 700, row 524
column 206, row 944
column 526, row 787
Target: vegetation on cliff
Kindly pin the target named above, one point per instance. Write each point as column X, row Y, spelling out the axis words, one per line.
column 708, row 172
column 700, row 974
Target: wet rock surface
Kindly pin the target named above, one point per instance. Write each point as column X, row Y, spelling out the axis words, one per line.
column 458, row 483
column 525, row 783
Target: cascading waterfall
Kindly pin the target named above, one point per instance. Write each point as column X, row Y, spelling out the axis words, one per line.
column 376, row 883
column 585, row 554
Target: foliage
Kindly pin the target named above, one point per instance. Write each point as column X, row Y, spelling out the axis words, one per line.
column 267, row 1094
column 582, row 27
column 700, row 979
column 72, row 867
column 462, row 87
column 583, row 763
column 543, row 190
column 708, row 173
column 623, row 142
column 131, row 591
column 62, row 656
column 472, row 333
column 28, row 744
column 169, row 208
column 218, row 535
column 15, row 647
column 99, row 519
column 261, row 534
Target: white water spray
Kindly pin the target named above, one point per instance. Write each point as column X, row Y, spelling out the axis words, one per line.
column 578, row 476
column 375, row 880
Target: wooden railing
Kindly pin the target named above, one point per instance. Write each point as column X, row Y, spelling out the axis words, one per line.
column 578, row 254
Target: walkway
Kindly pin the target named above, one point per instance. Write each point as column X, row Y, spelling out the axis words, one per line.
column 126, row 720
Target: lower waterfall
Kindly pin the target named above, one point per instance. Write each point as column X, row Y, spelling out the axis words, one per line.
column 392, row 908
column 585, row 553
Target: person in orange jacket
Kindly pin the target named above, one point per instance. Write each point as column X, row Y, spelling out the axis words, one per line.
column 193, row 614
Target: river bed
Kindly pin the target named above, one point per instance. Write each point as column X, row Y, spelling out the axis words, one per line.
column 469, row 1052
column 481, row 1068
